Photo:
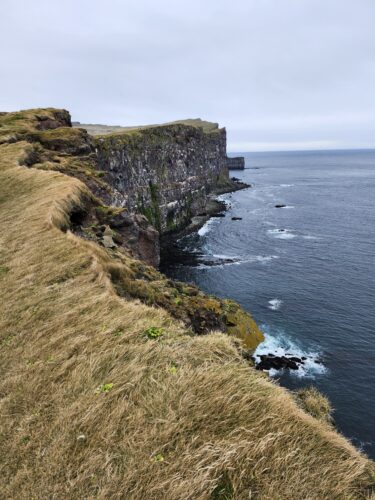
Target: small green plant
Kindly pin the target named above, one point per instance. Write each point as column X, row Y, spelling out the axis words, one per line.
column 104, row 388
column 4, row 270
column 173, row 368
column 159, row 458
column 154, row 332
column 177, row 301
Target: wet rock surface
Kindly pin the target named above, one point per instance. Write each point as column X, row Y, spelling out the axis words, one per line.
column 270, row 361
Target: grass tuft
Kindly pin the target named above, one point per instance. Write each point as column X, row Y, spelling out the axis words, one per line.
column 315, row 404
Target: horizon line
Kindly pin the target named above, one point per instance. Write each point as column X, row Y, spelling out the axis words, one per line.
column 317, row 150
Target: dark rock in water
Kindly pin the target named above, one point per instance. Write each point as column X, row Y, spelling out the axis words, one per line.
column 303, row 358
column 218, row 215
column 216, row 262
column 236, row 218
column 236, row 179
column 297, row 360
column 268, row 361
column 280, row 206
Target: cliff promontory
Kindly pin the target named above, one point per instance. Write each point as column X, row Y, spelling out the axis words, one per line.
column 164, row 172
column 115, row 381
column 236, row 163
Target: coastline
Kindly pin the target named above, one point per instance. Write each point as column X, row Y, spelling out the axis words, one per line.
column 214, row 208
column 107, row 394
column 289, row 280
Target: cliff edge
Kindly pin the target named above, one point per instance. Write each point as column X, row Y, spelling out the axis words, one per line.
column 105, row 391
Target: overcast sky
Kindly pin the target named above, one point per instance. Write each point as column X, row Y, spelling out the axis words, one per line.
column 279, row 74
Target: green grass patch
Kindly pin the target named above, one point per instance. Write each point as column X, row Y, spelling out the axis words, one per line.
column 154, row 332
column 104, row 388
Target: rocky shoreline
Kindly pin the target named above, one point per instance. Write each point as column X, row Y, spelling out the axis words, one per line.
column 171, row 251
column 214, row 208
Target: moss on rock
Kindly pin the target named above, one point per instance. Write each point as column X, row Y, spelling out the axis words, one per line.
column 202, row 313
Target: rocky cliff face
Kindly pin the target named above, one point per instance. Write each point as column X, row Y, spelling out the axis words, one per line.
column 155, row 178
column 164, row 172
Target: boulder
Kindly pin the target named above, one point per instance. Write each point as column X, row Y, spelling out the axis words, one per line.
column 269, row 361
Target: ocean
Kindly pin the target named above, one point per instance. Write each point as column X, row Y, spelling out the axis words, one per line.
column 305, row 271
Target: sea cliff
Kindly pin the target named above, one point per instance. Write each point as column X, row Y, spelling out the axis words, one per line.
column 164, row 172
column 117, row 382
column 141, row 183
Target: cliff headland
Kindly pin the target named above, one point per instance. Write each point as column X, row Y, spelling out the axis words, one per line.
column 116, row 381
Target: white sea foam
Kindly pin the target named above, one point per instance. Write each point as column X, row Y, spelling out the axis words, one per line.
column 286, row 185
column 224, row 257
column 264, row 258
column 208, row 226
column 275, row 304
column 230, row 260
column 310, row 237
column 281, row 234
column 280, row 344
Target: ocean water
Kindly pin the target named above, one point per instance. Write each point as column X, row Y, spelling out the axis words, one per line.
column 306, row 272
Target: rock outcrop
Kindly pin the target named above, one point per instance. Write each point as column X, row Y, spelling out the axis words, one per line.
column 236, row 163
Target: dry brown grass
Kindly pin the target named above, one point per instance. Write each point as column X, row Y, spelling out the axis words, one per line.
column 315, row 404
column 186, row 418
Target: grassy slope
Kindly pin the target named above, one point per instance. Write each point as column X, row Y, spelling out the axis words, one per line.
column 186, row 417
column 97, row 129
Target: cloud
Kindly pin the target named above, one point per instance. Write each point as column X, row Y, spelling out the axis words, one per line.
column 276, row 74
